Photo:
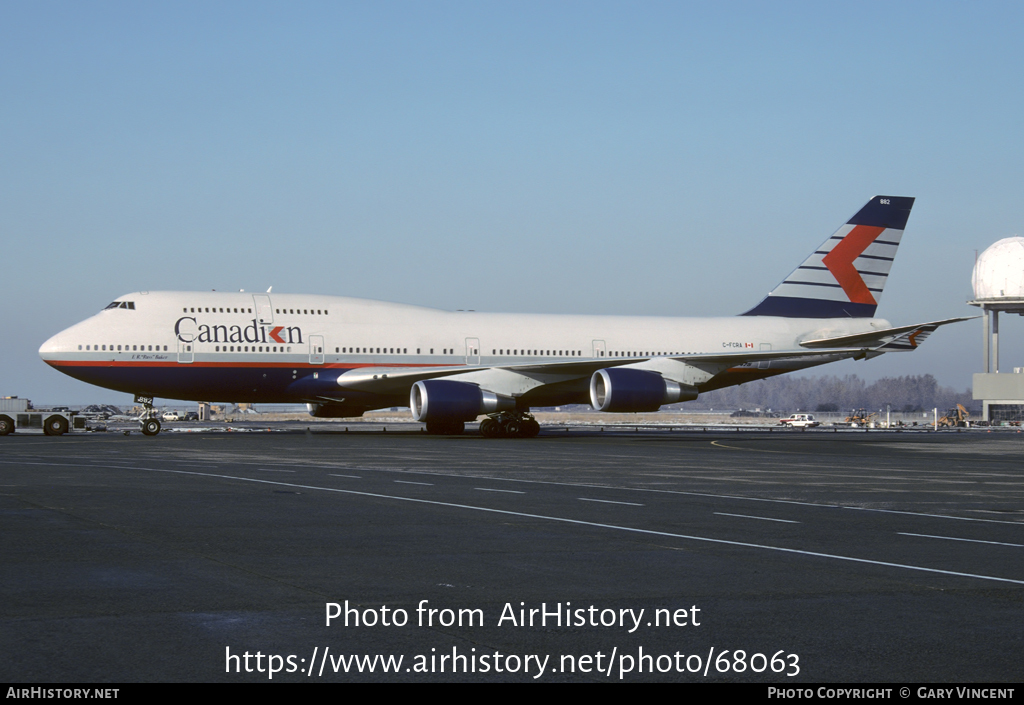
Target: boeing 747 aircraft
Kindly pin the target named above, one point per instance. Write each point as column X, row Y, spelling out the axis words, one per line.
column 344, row 356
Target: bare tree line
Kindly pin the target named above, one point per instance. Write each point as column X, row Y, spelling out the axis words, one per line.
column 833, row 393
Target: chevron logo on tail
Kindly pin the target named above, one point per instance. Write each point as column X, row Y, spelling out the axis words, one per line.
column 845, row 276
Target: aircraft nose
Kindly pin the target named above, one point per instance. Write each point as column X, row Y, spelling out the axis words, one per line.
column 52, row 348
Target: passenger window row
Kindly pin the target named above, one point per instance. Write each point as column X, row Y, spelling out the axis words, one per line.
column 302, row 311
column 127, row 348
column 214, row 309
column 252, row 348
column 503, row 351
column 380, row 351
column 371, row 351
column 393, row 351
column 620, row 353
column 556, row 353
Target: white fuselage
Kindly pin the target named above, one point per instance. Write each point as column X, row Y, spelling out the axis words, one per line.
column 246, row 347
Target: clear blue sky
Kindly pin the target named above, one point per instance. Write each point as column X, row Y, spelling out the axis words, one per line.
column 580, row 157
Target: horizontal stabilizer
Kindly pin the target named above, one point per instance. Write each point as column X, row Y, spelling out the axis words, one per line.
column 887, row 339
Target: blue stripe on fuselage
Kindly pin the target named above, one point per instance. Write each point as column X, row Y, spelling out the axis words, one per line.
column 270, row 385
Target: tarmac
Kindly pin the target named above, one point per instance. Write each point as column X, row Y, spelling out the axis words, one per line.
column 619, row 555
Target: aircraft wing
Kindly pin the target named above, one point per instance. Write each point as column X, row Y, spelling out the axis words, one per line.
column 392, row 380
column 899, row 338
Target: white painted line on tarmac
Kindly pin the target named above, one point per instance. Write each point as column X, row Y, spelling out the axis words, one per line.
column 954, row 538
column 580, row 522
column 712, row 495
column 354, row 477
column 272, row 470
column 407, row 482
column 608, row 501
column 491, row 489
column 747, row 516
column 627, row 489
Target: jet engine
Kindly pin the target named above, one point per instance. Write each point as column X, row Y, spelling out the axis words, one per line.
column 447, row 400
column 623, row 389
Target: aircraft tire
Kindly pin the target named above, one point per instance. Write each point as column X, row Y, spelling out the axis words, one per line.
column 530, row 428
column 489, row 428
column 55, row 426
column 511, row 428
column 6, row 425
column 150, row 427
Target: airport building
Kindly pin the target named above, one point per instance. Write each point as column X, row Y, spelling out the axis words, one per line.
column 998, row 281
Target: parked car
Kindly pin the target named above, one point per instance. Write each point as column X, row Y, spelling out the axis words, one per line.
column 800, row 421
column 171, row 416
column 192, row 416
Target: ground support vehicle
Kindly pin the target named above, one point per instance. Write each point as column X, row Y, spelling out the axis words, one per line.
column 800, row 421
column 956, row 417
column 861, row 417
column 15, row 415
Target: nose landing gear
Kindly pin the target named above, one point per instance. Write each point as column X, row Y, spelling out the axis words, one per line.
column 149, row 422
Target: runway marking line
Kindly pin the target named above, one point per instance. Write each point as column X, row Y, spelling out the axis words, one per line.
column 580, row 522
column 619, row 488
column 954, row 538
column 354, row 477
column 758, row 450
column 608, row 501
column 747, row 516
column 491, row 489
column 409, row 482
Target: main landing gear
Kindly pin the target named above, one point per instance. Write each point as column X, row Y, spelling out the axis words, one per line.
column 505, row 424
column 509, row 424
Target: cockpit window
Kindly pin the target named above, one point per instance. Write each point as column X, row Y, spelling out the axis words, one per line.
column 121, row 304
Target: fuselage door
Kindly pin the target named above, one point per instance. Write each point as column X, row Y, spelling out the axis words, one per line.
column 264, row 311
column 599, row 348
column 765, row 364
column 185, row 353
column 316, row 350
column 472, row 351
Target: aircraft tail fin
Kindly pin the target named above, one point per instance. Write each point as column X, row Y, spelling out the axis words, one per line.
column 844, row 277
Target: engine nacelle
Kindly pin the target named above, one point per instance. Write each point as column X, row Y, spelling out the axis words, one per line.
column 447, row 400
column 618, row 389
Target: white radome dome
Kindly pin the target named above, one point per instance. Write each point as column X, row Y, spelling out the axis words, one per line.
column 999, row 271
